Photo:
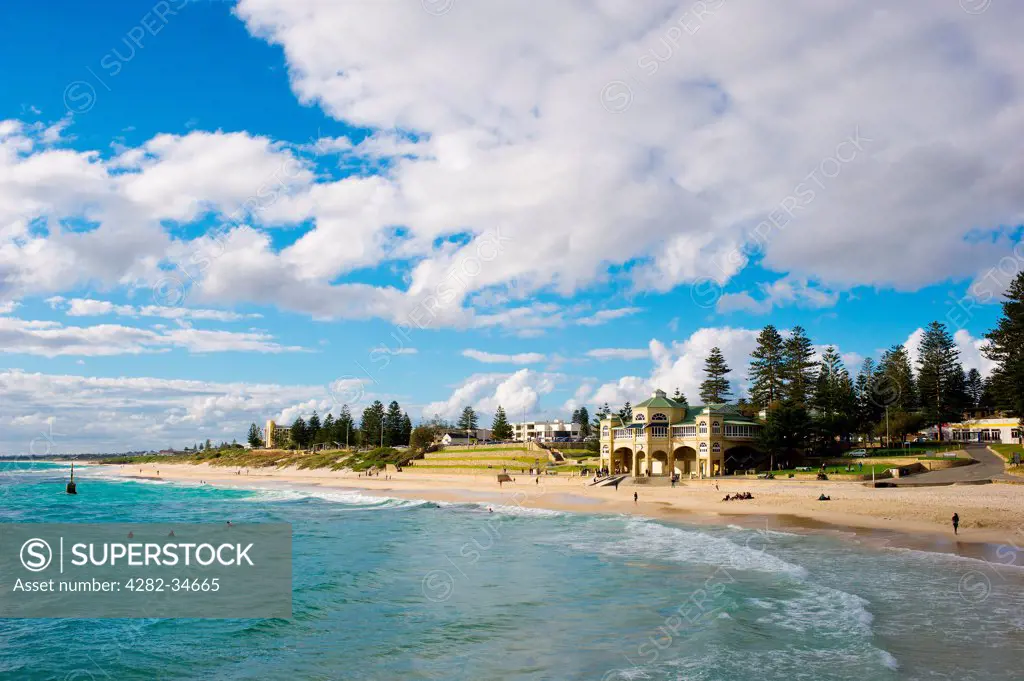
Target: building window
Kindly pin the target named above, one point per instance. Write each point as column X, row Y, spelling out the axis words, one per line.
column 638, row 417
column 659, row 417
column 703, row 447
column 604, row 430
column 741, row 431
column 1015, row 433
column 703, row 427
column 716, row 427
column 716, row 447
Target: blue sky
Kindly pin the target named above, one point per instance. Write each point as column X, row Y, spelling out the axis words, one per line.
column 218, row 212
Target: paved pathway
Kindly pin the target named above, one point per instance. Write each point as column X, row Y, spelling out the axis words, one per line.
column 989, row 467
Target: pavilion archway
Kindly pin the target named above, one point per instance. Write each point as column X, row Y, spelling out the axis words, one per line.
column 659, row 463
column 745, row 457
column 640, row 467
column 622, row 460
column 684, row 461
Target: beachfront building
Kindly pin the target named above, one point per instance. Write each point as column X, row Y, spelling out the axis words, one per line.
column 995, row 429
column 465, row 437
column 544, row 431
column 275, row 436
column 666, row 437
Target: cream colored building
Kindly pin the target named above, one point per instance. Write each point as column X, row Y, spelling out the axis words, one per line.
column 997, row 430
column 276, row 436
column 544, row 431
column 667, row 437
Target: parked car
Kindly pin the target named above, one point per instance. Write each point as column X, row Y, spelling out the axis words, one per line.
column 857, row 452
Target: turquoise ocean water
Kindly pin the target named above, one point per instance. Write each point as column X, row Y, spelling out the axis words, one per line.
column 395, row 589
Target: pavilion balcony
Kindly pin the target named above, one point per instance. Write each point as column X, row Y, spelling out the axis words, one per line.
column 741, row 432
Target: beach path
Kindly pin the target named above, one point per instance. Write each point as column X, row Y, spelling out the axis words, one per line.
column 989, row 467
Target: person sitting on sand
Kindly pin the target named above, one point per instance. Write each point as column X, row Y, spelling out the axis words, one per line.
column 822, row 497
column 727, row 498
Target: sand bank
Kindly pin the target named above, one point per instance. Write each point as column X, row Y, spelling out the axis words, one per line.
column 905, row 516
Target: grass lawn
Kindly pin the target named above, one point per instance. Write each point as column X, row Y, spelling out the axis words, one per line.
column 917, row 448
column 457, row 456
column 879, row 468
column 468, row 450
column 424, row 466
column 566, row 468
column 1007, row 451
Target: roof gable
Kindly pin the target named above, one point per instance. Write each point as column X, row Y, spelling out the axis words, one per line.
column 659, row 403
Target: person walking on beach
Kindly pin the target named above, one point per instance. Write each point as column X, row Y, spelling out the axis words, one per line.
column 635, row 497
column 956, row 523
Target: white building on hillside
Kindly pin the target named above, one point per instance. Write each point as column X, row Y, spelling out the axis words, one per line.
column 997, row 429
column 462, row 437
column 544, row 431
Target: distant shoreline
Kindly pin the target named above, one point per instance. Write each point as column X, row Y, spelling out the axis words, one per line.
column 912, row 518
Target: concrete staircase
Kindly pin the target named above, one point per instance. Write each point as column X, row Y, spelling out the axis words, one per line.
column 555, row 455
column 657, row 481
column 611, row 480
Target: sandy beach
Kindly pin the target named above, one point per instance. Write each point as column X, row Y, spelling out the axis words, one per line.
column 917, row 517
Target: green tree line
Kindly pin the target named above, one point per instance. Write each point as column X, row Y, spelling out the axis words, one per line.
column 814, row 401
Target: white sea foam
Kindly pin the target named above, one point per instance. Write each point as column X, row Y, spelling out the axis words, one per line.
column 774, row 533
column 111, row 477
column 821, row 611
column 649, row 539
column 978, row 563
column 346, row 497
column 889, row 660
column 521, row 511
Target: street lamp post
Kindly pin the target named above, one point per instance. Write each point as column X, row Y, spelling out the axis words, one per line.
column 888, row 442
